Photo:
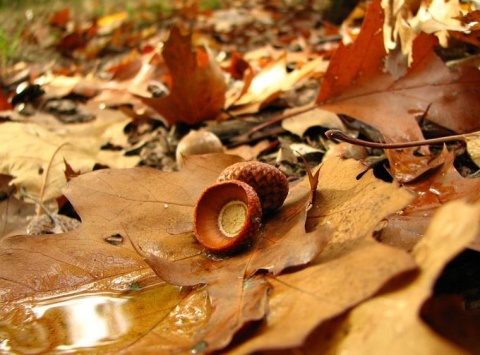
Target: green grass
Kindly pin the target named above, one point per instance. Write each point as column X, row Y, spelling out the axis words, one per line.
column 9, row 46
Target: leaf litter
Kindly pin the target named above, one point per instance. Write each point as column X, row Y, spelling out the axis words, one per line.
column 320, row 261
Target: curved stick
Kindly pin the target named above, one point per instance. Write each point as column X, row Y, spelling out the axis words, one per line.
column 336, row 134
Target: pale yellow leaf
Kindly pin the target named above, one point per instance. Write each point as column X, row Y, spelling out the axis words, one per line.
column 473, row 148
column 299, row 123
column 27, row 149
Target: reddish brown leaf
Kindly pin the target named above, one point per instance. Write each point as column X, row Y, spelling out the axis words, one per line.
column 102, row 199
column 441, row 185
column 339, row 280
column 61, row 17
column 356, row 84
column 198, row 91
column 4, row 104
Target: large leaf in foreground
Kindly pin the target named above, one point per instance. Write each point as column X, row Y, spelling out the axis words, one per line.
column 100, row 255
column 350, row 269
column 345, row 211
column 132, row 214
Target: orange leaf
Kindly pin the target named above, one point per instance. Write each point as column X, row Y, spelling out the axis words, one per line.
column 198, row 91
column 356, row 85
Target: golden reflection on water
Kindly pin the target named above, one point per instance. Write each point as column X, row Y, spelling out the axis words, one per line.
column 86, row 322
column 90, row 320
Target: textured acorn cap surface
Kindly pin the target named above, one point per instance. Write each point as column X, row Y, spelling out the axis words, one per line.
column 227, row 216
column 269, row 182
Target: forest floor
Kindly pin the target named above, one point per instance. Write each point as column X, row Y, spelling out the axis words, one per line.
column 114, row 119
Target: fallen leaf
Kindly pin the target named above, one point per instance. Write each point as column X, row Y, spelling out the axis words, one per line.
column 356, row 85
column 473, row 148
column 5, row 105
column 131, row 210
column 360, row 88
column 300, row 123
column 401, row 27
column 390, row 322
column 13, row 212
column 80, row 146
column 443, row 184
column 127, row 90
column 343, row 211
column 270, row 82
column 198, row 91
column 350, row 269
column 100, row 256
column 61, row 17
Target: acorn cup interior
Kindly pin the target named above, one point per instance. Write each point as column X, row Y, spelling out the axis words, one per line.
column 227, row 216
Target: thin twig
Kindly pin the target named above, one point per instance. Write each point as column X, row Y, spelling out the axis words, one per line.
column 53, row 217
column 47, row 172
column 336, row 134
column 245, row 137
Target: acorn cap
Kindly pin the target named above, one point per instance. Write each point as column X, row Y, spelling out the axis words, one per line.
column 269, row 182
column 227, row 216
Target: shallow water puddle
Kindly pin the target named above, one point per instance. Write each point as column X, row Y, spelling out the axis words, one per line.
column 86, row 322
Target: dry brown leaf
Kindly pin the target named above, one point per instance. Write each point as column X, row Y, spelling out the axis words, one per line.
column 350, row 269
column 131, row 210
column 126, row 90
column 28, row 148
column 13, row 212
column 355, row 84
column 119, row 209
column 443, row 184
column 110, row 202
column 360, row 88
column 401, row 27
column 198, row 91
column 300, row 123
column 346, row 209
column 473, row 148
column 390, row 323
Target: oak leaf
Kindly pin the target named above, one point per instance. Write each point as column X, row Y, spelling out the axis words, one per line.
column 80, row 146
column 99, row 256
column 131, row 214
column 350, row 269
column 344, row 211
column 355, row 84
column 198, row 88
column 441, row 184
column 390, row 322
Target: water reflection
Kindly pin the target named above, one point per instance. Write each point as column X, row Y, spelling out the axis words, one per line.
column 90, row 320
column 86, row 322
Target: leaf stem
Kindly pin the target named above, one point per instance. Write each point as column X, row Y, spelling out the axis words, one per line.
column 45, row 178
column 336, row 134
